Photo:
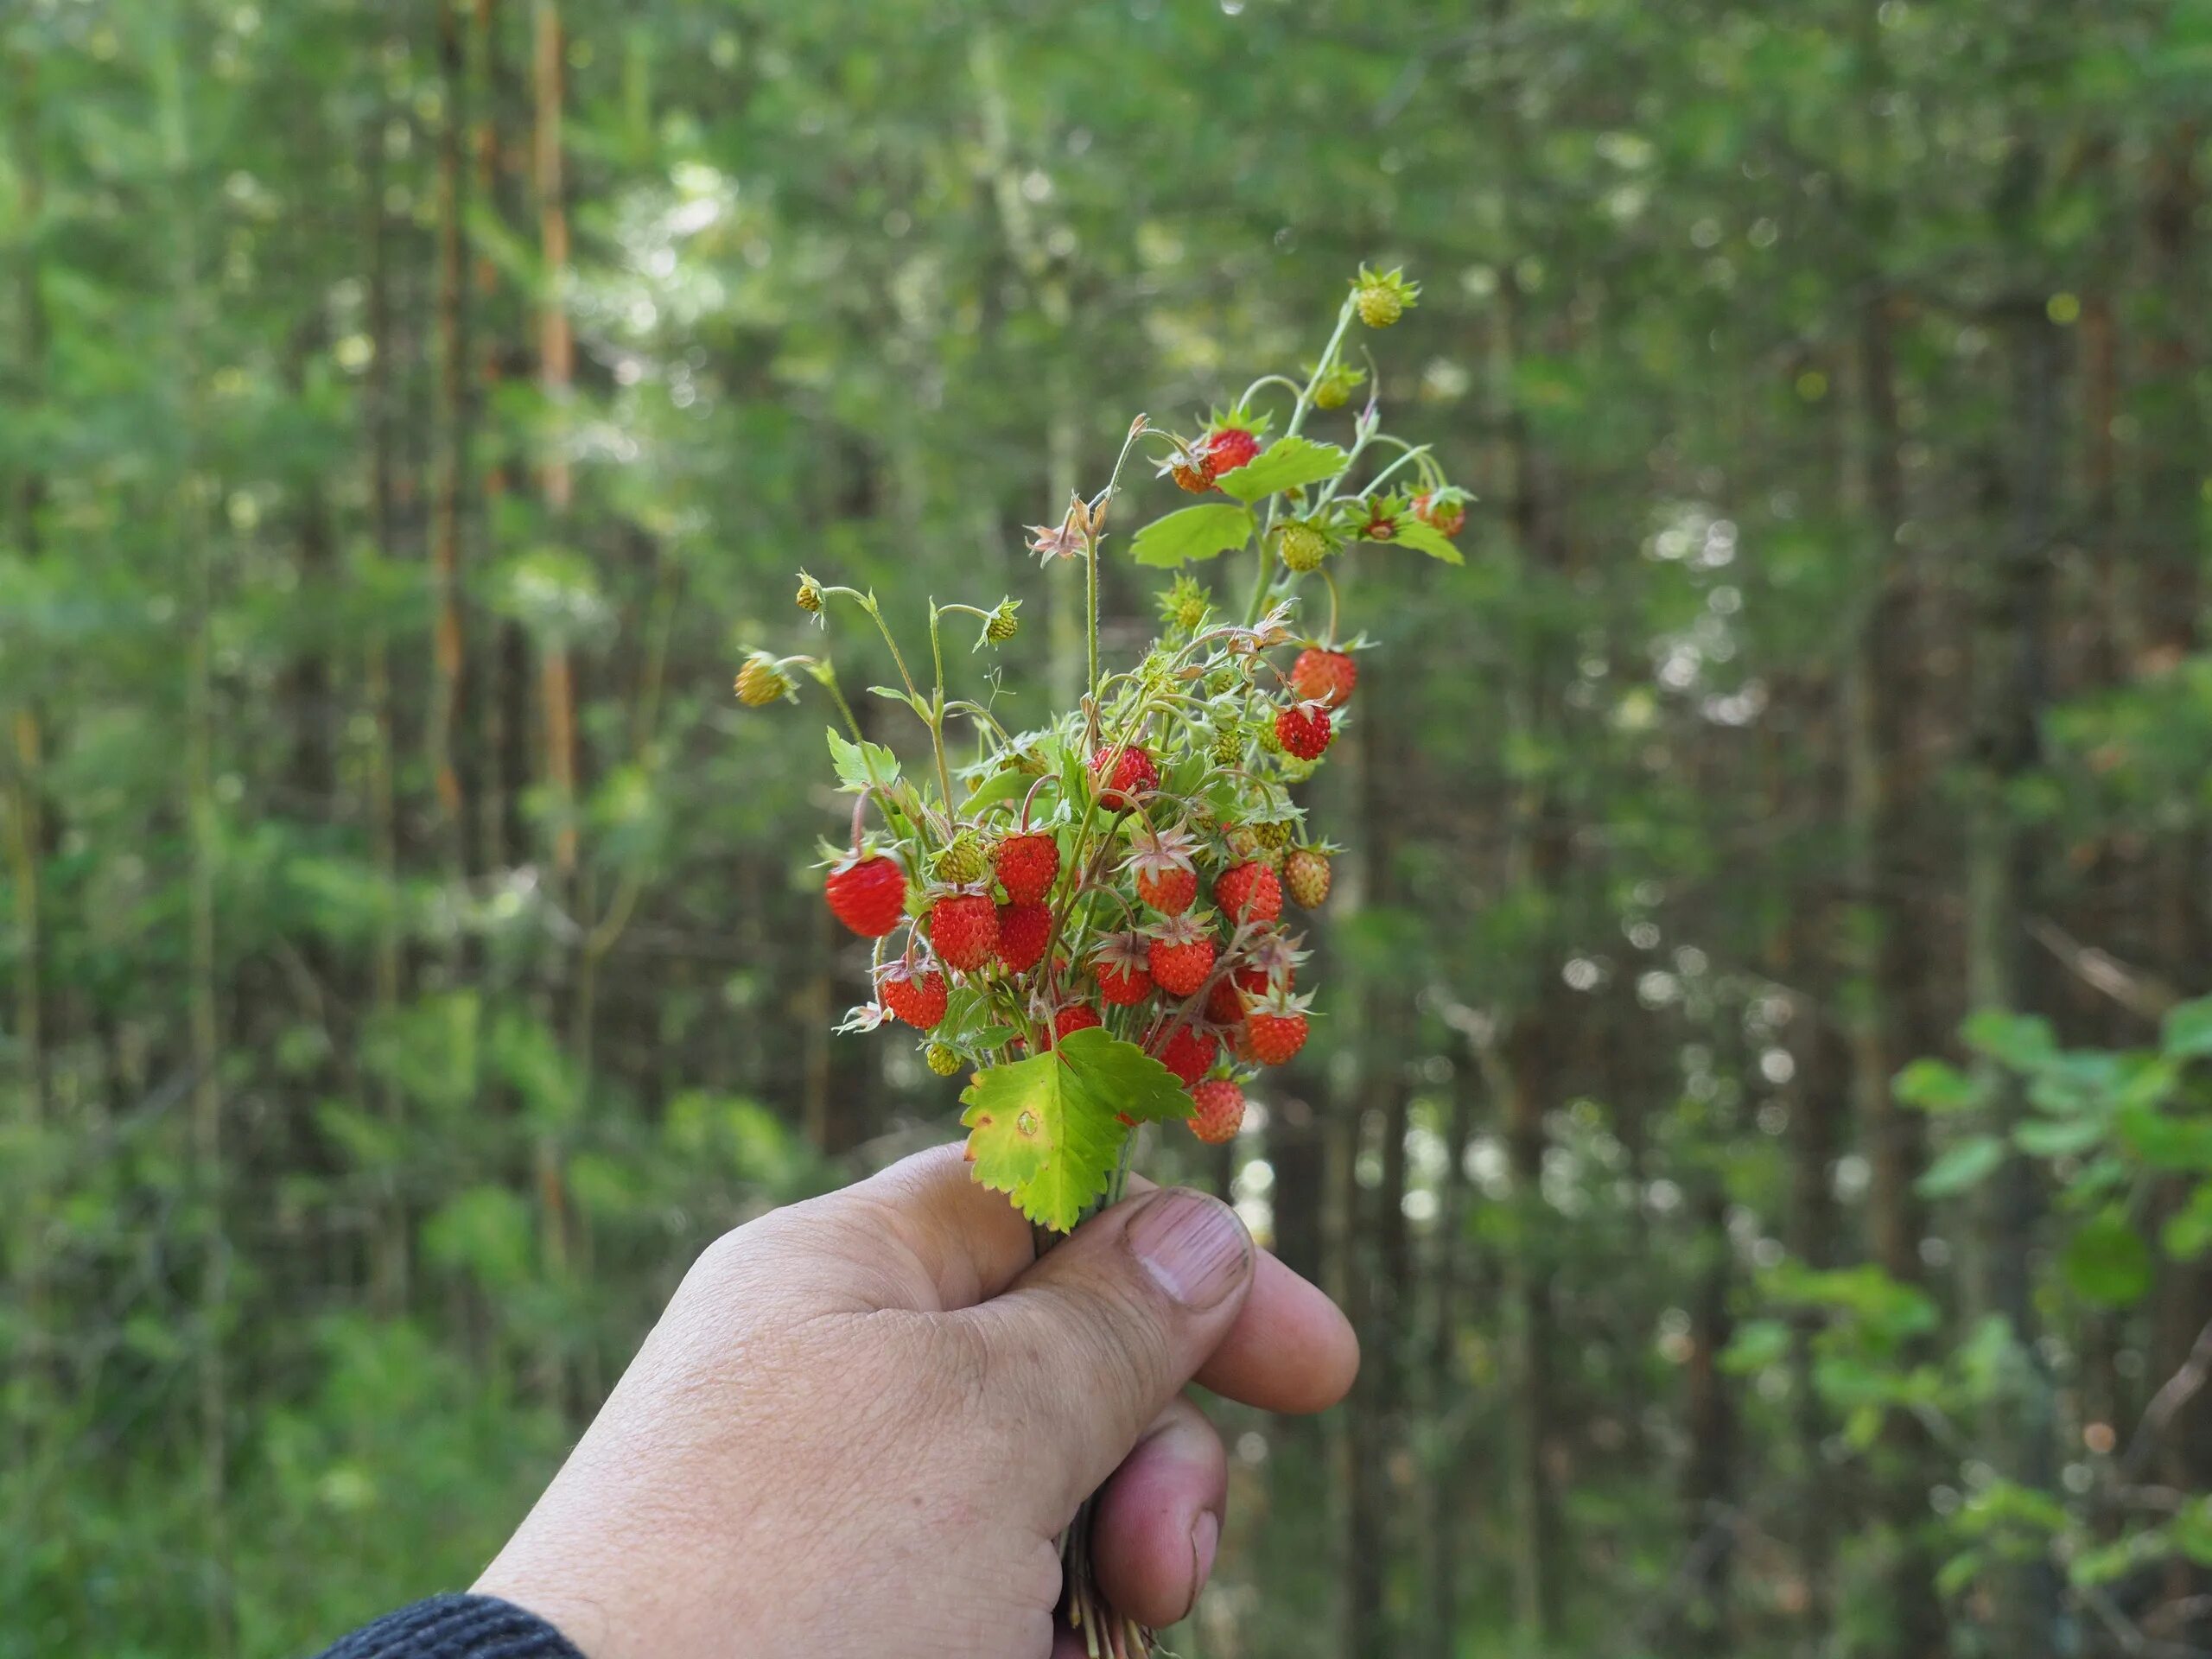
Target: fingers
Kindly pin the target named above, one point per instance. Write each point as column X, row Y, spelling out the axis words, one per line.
column 1159, row 1518
column 1290, row 1350
column 922, row 1236
column 1085, row 1348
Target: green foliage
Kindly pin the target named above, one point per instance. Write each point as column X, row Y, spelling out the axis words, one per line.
column 1200, row 532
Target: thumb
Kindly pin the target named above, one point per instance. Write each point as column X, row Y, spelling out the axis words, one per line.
column 1088, row 1346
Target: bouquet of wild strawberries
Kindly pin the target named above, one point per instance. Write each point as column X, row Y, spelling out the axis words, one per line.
column 1090, row 915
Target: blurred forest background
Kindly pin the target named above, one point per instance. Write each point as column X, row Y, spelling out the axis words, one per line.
column 1761, row 1128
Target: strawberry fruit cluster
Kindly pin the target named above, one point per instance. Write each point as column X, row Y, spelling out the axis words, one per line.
column 1097, row 917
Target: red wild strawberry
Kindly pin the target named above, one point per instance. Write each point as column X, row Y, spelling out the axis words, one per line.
column 1303, row 729
column 1250, row 893
column 1275, row 1030
column 1220, row 1111
column 867, row 894
column 1271, row 964
column 1167, row 877
column 1447, row 514
column 916, row 995
column 1188, row 1054
column 1191, row 469
column 1170, row 892
column 1321, row 676
column 1024, row 931
column 964, row 928
column 1123, row 978
column 1133, row 775
column 1181, row 955
column 1225, row 1002
column 1026, row 863
column 1228, row 448
column 1305, row 877
column 1076, row 1016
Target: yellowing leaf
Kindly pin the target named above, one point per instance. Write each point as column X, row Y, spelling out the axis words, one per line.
column 1043, row 1130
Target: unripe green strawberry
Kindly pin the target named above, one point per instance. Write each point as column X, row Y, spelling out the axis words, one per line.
column 961, row 861
column 1302, row 546
column 1379, row 308
column 1183, row 606
column 1305, row 875
column 1382, row 297
column 1274, row 834
column 1334, row 389
column 1002, row 625
column 762, row 681
column 809, row 595
column 1221, row 1110
column 942, row 1060
column 1227, row 746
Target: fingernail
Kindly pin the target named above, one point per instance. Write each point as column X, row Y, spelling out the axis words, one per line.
column 1205, row 1539
column 1193, row 1245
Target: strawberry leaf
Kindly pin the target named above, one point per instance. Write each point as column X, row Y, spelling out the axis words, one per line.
column 1043, row 1130
column 1008, row 785
column 860, row 764
column 1283, row 465
column 1426, row 538
column 1194, row 533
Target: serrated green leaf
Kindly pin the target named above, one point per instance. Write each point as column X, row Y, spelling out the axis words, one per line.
column 1043, row 1130
column 1426, row 538
column 1964, row 1165
column 1009, row 785
column 860, row 764
column 2106, row 1261
column 1200, row 532
column 1283, row 465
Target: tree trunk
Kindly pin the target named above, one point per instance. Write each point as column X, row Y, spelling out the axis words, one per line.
column 1893, row 816
column 449, row 692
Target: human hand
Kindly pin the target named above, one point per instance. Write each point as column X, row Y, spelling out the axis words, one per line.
column 861, row 1424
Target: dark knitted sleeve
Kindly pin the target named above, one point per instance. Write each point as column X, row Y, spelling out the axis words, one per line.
column 456, row 1627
